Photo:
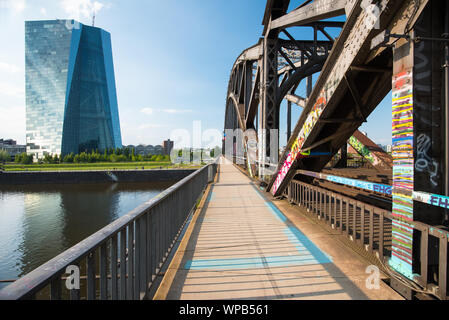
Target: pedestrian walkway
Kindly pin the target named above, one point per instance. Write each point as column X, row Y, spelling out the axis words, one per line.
column 241, row 246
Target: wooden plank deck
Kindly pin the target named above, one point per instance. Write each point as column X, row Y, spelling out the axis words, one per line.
column 240, row 245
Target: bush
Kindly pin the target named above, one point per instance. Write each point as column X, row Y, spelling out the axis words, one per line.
column 4, row 156
column 69, row 158
column 24, row 158
column 48, row 159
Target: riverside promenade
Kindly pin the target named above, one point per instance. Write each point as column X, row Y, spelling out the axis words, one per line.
column 241, row 245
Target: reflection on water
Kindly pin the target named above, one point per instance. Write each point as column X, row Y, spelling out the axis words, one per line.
column 38, row 222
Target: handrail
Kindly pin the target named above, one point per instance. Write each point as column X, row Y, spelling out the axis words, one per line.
column 191, row 187
column 369, row 228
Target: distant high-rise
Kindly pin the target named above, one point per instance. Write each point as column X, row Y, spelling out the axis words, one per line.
column 71, row 101
column 168, row 146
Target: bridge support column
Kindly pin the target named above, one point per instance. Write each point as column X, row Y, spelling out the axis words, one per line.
column 403, row 163
column 418, row 143
column 269, row 150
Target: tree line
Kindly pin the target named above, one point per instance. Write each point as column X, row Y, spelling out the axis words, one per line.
column 109, row 155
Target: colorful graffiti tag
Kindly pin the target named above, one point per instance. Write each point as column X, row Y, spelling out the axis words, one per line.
column 403, row 170
column 366, row 185
column 363, row 150
column 299, row 142
column 432, row 199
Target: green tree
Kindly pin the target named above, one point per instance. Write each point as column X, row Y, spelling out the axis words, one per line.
column 69, row 158
column 126, row 152
column 48, row 158
column 24, row 158
column 4, row 156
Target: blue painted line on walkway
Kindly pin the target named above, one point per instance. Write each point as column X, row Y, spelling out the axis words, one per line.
column 251, row 263
column 296, row 236
column 309, row 253
column 293, row 234
column 277, row 213
column 210, row 196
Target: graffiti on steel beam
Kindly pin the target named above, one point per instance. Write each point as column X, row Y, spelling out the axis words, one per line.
column 356, row 39
column 424, row 162
column 297, row 145
column 403, row 170
column 364, row 151
column 431, row 199
column 360, row 184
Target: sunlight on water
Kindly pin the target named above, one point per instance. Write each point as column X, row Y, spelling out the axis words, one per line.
column 39, row 222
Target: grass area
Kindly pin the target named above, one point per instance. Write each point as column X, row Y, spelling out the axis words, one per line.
column 98, row 166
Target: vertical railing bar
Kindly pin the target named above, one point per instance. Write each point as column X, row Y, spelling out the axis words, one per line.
column 381, row 236
column 424, row 256
column 306, row 198
column 158, row 238
column 362, row 225
column 148, row 248
column 442, row 268
column 143, row 257
column 55, row 288
column 137, row 260
column 166, row 230
column 354, row 221
column 130, row 269
column 103, row 272
column 329, row 214
column 334, row 212
column 340, row 227
column 75, row 294
column 91, row 290
column 348, row 224
column 153, row 242
column 123, row 264
column 114, row 286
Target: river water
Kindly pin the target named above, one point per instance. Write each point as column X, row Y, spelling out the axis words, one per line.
column 37, row 222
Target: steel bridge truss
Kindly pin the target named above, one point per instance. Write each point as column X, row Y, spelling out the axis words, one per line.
column 383, row 45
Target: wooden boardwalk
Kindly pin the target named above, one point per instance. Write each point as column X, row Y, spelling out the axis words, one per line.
column 240, row 245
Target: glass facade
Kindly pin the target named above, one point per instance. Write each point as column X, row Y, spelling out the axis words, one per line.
column 70, row 89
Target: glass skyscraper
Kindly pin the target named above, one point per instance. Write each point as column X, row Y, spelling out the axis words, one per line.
column 71, row 100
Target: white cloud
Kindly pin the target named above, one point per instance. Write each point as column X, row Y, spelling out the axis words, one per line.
column 12, row 123
column 78, row 9
column 14, row 5
column 10, row 68
column 150, row 126
column 150, row 111
column 43, row 11
column 176, row 110
column 10, row 90
column 147, row 111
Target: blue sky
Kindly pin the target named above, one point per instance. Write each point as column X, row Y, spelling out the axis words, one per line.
column 172, row 62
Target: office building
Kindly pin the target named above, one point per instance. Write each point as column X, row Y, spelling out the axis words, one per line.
column 71, row 102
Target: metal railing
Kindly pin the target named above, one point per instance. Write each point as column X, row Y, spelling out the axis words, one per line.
column 370, row 228
column 122, row 260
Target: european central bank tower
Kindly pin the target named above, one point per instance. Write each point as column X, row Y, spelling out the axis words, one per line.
column 71, row 100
